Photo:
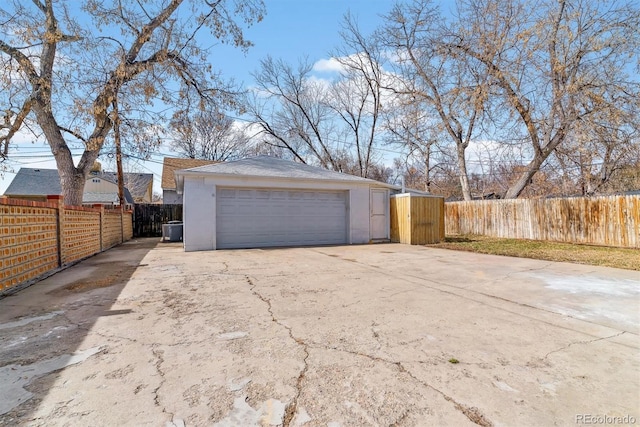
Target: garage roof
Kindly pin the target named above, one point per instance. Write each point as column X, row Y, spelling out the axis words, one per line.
column 272, row 167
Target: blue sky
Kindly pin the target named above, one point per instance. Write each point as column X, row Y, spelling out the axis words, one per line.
column 291, row 30
column 294, row 29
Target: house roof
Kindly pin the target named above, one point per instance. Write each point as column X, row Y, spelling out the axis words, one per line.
column 272, row 167
column 35, row 182
column 45, row 182
column 110, row 197
column 172, row 164
column 91, row 197
column 137, row 183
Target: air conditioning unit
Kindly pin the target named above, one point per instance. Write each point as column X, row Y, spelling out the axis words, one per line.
column 172, row 231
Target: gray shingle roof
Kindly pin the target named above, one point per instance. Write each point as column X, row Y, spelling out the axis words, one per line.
column 35, row 182
column 137, row 183
column 272, row 167
column 90, row 197
column 46, row 182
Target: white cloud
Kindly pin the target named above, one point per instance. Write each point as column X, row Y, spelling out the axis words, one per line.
column 331, row 65
column 320, row 82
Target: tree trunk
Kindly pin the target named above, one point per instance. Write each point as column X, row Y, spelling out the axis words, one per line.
column 464, row 178
column 72, row 182
column 525, row 178
column 72, row 178
column 427, row 169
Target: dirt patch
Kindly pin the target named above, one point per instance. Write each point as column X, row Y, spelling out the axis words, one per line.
column 107, row 274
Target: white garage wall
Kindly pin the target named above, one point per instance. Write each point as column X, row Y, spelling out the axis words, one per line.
column 199, row 206
column 359, row 215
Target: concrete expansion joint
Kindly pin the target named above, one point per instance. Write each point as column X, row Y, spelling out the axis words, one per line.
column 291, row 407
column 585, row 342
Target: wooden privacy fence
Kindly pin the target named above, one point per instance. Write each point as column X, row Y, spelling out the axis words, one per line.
column 416, row 219
column 38, row 237
column 148, row 218
column 606, row 221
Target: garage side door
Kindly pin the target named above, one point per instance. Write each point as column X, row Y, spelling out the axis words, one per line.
column 251, row 218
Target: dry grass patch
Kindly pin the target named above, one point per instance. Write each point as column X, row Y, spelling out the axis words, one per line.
column 552, row 251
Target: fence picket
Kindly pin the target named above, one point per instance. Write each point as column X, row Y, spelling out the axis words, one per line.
column 605, row 221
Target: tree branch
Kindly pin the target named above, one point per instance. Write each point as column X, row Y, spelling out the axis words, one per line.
column 16, row 125
column 75, row 134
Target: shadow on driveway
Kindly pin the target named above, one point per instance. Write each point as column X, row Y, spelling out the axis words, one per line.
column 42, row 327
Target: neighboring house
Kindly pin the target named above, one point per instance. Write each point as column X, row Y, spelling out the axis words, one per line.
column 263, row 201
column 139, row 184
column 169, row 166
column 37, row 184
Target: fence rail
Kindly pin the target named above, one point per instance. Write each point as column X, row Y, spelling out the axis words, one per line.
column 606, row 221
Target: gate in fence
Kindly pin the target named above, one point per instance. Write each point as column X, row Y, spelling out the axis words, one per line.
column 148, row 218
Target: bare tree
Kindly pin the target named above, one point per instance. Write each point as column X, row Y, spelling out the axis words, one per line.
column 357, row 95
column 410, row 126
column 292, row 112
column 454, row 92
column 596, row 152
column 556, row 65
column 332, row 123
column 209, row 135
column 64, row 67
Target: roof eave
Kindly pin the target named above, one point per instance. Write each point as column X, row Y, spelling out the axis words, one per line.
column 180, row 174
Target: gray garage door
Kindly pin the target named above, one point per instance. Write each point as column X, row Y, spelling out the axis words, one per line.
column 251, row 218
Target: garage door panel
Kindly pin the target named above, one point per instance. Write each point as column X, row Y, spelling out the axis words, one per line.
column 269, row 217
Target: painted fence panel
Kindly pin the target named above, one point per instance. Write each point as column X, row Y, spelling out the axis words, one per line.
column 606, row 221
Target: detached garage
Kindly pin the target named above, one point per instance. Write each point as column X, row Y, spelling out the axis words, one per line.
column 264, row 201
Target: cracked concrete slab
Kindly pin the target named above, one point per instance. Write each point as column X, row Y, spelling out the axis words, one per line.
column 15, row 377
column 332, row 336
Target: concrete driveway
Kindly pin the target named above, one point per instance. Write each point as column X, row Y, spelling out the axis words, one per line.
column 378, row 335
